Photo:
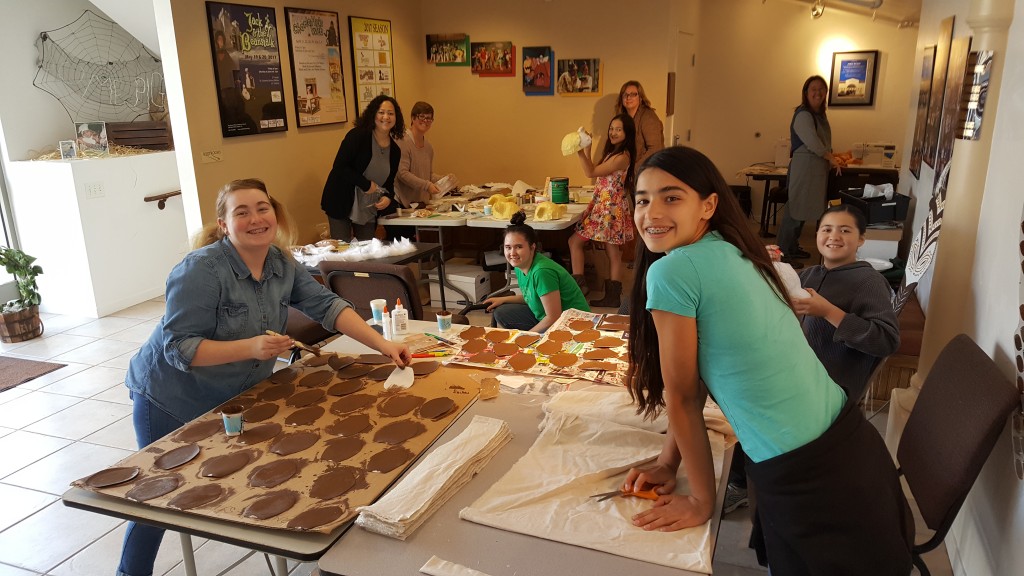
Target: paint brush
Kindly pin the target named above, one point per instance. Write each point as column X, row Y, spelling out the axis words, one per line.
column 299, row 345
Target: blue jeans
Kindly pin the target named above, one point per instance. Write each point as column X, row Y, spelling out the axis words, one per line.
column 513, row 316
column 141, row 541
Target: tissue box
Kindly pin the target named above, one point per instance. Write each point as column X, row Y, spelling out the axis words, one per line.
column 472, row 280
column 879, row 209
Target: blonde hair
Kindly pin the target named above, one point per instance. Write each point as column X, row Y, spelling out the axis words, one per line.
column 212, row 232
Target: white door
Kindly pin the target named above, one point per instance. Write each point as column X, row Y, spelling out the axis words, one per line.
column 682, row 104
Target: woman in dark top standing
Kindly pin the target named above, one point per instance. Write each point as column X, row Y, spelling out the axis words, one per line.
column 361, row 183
column 811, row 147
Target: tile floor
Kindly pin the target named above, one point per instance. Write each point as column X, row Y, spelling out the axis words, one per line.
column 75, row 420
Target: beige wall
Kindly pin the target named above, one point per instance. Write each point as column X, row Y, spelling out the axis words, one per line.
column 753, row 58
column 294, row 163
column 488, row 130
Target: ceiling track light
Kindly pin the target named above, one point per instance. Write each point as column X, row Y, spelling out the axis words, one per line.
column 817, row 9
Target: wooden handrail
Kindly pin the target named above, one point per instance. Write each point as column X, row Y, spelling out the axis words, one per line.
column 161, row 199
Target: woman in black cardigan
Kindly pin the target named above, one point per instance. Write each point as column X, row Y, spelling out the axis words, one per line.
column 361, row 182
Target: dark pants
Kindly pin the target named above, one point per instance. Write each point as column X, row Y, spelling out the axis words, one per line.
column 513, row 316
column 344, row 229
column 789, row 233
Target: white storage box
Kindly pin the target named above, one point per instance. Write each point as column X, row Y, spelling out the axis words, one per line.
column 472, row 280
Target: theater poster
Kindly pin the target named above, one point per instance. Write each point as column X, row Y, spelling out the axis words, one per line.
column 373, row 68
column 315, row 48
column 247, row 69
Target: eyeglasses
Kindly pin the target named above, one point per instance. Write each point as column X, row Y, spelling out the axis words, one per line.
column 631, row 95
column 385, row 112
column 425, row 119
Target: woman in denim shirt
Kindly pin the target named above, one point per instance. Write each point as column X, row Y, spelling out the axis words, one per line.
column 212, row 344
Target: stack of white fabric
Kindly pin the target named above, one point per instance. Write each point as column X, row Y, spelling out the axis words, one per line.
column 436, row 479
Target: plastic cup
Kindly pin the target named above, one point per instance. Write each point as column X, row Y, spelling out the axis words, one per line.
column 232, row 416
column 487, row 210
column 377, row 307
column 444, row 321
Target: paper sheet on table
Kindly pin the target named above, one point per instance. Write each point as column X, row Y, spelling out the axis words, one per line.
column 400, row 378
column 520, row 188
column 438, row 567
column 615, row 405
column 547, row 493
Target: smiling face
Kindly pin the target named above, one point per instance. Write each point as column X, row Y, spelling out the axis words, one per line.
column 385, row 118
column 669, row 213
column 631, row 98
column 518, row 251
column 816, row 93
column 838, row 239
column 249, row 221
column 616, row 133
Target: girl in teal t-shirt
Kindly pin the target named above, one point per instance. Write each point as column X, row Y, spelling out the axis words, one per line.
column 710, row 315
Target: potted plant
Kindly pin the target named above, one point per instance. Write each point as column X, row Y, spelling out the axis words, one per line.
column 21, row 316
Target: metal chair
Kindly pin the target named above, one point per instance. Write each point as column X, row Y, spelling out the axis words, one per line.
column 360, row 282
column 959, row 415
column 777, row 196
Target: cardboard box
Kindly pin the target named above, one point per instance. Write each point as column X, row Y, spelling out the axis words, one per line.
column 472, row 280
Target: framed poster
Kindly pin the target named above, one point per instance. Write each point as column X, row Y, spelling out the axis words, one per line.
column 247, row 69
column 372, row 64
column 317, row 77
column 931, row 131
column 927, row 63
column 977, row 79
column 950, row 121
column 853, row 78
column 92, row 138
column 493, row 58
column 537, row 62
column 68, row 150
column 448, row 49
column 579, row 77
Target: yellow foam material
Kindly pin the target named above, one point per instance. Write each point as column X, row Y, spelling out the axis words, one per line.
column 504, row 210
column 571, row 144
column 549, row 211
column 496, row 198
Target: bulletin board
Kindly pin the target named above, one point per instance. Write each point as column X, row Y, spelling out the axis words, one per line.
column 373, row 68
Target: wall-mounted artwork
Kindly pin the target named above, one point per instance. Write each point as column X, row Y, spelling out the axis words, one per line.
column 92, row 138
column 931, row 132
column 448, row 49
column 372, row 64
column 247, row 69
column 952, row 110
column 315, row 48
column 853, row 78
column 493, row 58
column 537, row 68
column 977, row 79
column 579, row 77
column 927, row 63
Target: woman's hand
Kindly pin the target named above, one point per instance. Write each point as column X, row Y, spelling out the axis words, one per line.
column 674, row 512
column 660, row 477
column 818, row 305
column 774, row 252
column 383, row 203
column 373, row 187
column 399, row 353
column 496, row 301
column 433, row 189
column 265, row 347
column 834, row 162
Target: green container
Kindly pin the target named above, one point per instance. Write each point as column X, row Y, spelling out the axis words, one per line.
column 560, row 190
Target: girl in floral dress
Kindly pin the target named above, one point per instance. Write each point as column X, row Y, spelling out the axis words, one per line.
column 608, row 218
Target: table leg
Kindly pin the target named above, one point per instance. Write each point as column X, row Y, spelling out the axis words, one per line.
column 281, row 566
column 764, row 211
column 188, row 557
column 442, row 280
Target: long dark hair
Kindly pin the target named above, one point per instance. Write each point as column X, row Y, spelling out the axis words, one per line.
column 628, row 145
column 366, row 119
column 698, row 172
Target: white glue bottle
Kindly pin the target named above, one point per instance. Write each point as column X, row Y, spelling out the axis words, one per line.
column 389, row 332
column 400, row 318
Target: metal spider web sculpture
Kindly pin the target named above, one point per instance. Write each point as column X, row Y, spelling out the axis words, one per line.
column 98, row 71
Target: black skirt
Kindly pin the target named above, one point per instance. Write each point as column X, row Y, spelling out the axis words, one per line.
column 834, row 506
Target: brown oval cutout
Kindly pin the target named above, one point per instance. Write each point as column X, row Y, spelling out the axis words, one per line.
column 339, row 362
column 424, row 368
column 381, row 373
column 596, row 365
column 497, row 335
column 353, row 402
column 473, row 332
column 388, row 459
column 337, row 481
column 355, row 371
column 257, row 434
column 581, row 325
column 615, row 327
column 599, row 354
column 559, row 336
column 351, row 426
column 305, row 398
column 549, row 347
column 196, row 496
column 154, row 487
column 486, row 357
column 346, row 387
column 260, row 412
column 398, row 432
column 226, row 465
column 315, row 517
column 399, row 405
column 177, row 457
column 316, row 379
column 373, row 359
column 112, row 476
column 522, row 362
column 474, row 346
column 305, row 416
column 342, row 449
column 274, row 473
column 270, row 505
column 315, row 361
column 273, row 393
column 285, row 375
column 608, row 342
column 294, row 442
column 587, row 336
column 505, row 348
column 437, row 408
column 198, row 431
column 526, row 340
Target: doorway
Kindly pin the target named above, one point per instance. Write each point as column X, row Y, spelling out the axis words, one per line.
column 682, row 103
column 8, row 290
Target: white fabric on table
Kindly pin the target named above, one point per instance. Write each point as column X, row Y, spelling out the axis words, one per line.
column 438, row 567
column 434, row 480
column 547, row 493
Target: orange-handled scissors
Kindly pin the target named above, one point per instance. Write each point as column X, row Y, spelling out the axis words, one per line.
column 645, row 494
